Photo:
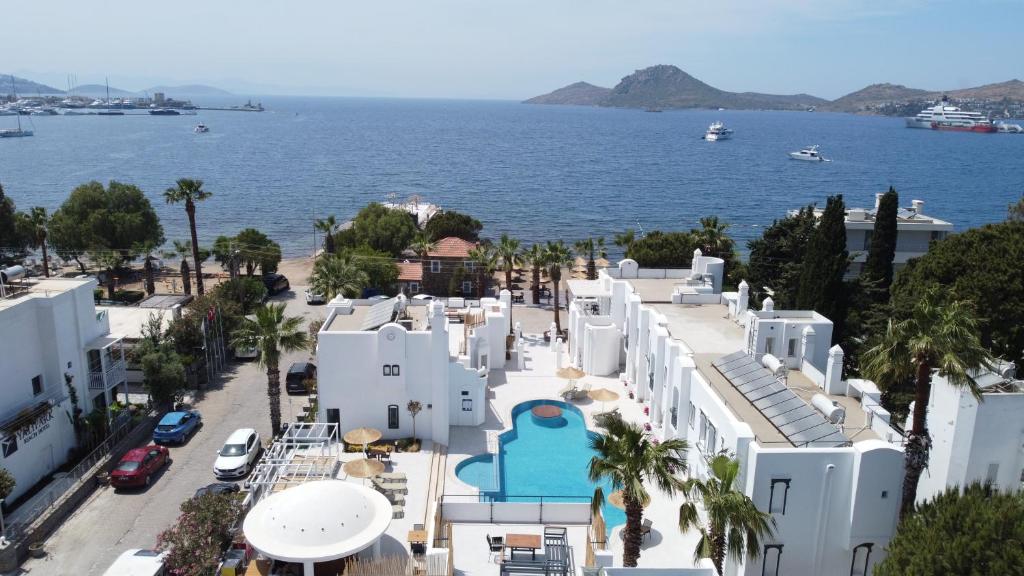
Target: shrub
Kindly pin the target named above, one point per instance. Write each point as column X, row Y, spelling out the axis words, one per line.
column 129, row 296
column 200, row 535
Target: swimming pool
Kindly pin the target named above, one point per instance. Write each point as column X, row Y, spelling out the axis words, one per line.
column 539, row 457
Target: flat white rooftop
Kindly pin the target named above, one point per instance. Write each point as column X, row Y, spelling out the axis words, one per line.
column 20, row 291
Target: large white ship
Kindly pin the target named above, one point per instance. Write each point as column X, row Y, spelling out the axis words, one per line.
column 947, row 117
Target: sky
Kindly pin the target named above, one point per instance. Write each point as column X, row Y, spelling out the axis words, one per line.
column 503, row 49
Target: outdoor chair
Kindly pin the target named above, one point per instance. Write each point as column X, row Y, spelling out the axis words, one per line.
column 582, row 392
column 418, row 527
column 557, row 533
column 496, row 545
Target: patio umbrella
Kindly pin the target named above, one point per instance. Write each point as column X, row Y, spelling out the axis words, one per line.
column 615, row 499
column 363, row 468
column 580, row 261
column 571, row 373
column 603, row 395
column 602, row 263
column 362, row 436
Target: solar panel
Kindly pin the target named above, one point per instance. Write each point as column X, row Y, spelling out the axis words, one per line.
column 801, row 424
column 379, row 314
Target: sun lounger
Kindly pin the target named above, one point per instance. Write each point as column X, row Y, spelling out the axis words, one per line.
column 391, row 476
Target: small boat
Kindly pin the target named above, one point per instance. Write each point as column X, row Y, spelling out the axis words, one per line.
column 1005, row 128
column 717, row 131
column 652, row 109
column 164, row 112
column 201, row 128
column 110, row 113
column 808, row 154
column 18, row 132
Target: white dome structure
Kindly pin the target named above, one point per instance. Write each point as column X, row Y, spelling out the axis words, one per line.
column 318, row 521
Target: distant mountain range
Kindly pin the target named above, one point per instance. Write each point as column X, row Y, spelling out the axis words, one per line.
column 665, row 86
column 25, row 87
column 29, row 88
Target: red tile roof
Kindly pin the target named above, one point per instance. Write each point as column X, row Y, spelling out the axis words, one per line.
column 410, row 271
column 451, row 247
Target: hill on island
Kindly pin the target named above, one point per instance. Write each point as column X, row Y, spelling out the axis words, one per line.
column 25, row 87
column 189, row 90
column 99, row 90
column 665, row 86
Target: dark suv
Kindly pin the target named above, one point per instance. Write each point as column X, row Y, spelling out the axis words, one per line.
column 298, row 373
column 275, row 283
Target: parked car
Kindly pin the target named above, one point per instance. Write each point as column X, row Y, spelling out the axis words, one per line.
column 275, row 283
column 177, row 426
column 423, row 297
column 298, row 373
column 314, row 297
column 137, row 467
column 238, row 455
column 218, row 488
column 138, row 562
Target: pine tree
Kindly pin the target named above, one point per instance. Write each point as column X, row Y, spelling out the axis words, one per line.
column 882, row 251
column 821, row 276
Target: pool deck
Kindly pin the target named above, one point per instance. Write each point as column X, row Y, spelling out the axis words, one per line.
column 666, row 547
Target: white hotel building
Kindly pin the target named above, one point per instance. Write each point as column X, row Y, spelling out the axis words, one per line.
column 52, row 339
column 696, row 358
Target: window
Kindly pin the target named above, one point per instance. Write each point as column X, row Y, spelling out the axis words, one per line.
column 991, row 475
column 703, row 427
column 712, row 437
column 395, row 370
column 792, row 348
column 37, row 385
column 779, row 495
column 674, row 412
column 693, row 414
column 772, row 558
column 867, row 240
column 861, row 557
column 937, row 235
column 334, row 415
column 414, row 287
column 769, row 345
column 467, row 287
column 469, row 265
column 387, row 369
column 435, row 266
column 467, row 404
column 392, row 416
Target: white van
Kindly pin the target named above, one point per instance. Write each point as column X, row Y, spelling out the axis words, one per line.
column 138, row 562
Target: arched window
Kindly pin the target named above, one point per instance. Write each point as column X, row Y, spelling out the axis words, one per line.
column 861, row 557
column 772, row 559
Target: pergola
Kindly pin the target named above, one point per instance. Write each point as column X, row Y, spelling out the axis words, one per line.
column 305, row 452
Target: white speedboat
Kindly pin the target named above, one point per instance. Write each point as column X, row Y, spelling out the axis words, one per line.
column 1005, row 128
column 808, row 154
column 717, row 131
column 201, row 128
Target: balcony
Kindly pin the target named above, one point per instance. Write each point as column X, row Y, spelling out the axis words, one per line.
column 115, row 374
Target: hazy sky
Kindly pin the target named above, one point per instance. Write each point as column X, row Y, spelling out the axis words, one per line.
column 514, row 49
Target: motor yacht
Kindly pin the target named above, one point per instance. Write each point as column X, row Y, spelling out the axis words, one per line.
column 717, row 131
column 808, row 154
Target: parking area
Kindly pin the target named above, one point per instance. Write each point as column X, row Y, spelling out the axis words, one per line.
column 110, row 522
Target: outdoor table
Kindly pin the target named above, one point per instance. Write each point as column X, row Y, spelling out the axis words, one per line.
column 417, row 536
column 524, row 543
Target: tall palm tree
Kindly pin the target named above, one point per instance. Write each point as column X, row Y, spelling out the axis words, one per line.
column 485, row 261
column 734, row 527
column 148, row 249
column 421, row 245
column 38, row 222
column 937, row 335
column 556, row 257
column 190, row 191
column 338, row 274
column 591, row 248
column 534, row 257
column 508, row 254
column 628, row 457
column 183, row 250
column 712, row 237
column 272, row 333
column 625, row 240
column 328, row 226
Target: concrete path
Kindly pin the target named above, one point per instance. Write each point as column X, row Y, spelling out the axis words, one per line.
column 109, row 522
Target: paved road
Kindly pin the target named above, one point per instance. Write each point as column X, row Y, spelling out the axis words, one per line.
column 110, row 522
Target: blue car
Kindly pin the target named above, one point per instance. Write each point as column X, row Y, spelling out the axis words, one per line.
column 177, row 426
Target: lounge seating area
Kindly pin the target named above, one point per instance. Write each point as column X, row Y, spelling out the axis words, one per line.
column 575, row 392
column 549, row 553
column 394, row 486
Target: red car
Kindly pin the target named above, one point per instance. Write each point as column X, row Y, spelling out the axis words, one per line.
column 138, row 466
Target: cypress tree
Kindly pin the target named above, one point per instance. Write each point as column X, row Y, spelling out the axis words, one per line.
column 824, row 264
column 882, row 251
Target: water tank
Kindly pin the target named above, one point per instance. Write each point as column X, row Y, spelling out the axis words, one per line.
column 774, row 364
column 833, row 412
column 12, row 273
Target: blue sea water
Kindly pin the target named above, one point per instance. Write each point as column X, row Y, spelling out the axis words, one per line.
column 541, row 458
column 536, row 172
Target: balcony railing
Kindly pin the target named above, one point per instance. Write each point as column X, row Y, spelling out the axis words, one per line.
column 115, row 374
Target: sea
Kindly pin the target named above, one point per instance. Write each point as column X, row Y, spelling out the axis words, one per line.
column 535, row 172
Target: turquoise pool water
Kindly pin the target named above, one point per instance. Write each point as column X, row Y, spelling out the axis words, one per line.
column 546, row 458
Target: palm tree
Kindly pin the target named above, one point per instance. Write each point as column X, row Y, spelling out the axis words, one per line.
column 183, row 250
column 535, row 258
column 190, row 191
column 108, row 261
column 937, row 335
column 485, row 261
column 507, row 252
column 328, row 226
column 272, row 333
column 38, row 222
column 591, row 248
column 147, row 249
column 625, row 240
column 556, row 257
column 421, row 245
column 734, row 527
column 628, row 456
column 712, row 238
column 337, row 274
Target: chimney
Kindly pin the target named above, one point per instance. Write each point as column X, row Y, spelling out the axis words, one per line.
column 918, row 206
column 878, row 200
